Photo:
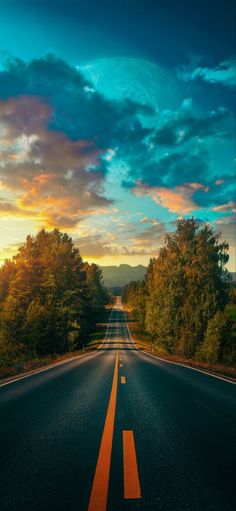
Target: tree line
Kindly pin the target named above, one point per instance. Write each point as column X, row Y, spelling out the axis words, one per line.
column 181, row 303
column 50, row 299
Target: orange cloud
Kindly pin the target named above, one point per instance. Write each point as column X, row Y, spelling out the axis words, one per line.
column 230, row 206
column 177, row 200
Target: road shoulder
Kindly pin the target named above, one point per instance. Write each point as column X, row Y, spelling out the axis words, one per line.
column 144, row 345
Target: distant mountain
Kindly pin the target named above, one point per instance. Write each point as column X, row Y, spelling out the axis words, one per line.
column 118, row 276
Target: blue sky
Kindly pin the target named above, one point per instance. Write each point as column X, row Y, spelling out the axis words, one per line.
column 116, row 119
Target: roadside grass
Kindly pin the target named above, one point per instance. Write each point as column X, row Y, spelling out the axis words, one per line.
column 145, row 343
column 24, row 366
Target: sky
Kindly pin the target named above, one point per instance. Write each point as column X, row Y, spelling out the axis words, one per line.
column 116, row 120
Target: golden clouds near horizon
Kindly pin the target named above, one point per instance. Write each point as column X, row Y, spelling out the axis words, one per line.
column 52, row 179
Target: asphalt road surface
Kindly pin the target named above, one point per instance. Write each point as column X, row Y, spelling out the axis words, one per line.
column 118, row 430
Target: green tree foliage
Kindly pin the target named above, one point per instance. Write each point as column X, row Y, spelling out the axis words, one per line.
column 217, row 345
column 97, row 292
column 7, row 272
column 134, row 294
column 49, row 298
column 185, row 289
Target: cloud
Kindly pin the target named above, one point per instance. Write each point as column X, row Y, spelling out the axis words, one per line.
column 151, row 236
column 138, row 242
column 174, row 168
column 182, row 181
column 194, row 143
column 190, row 196
column 23, row 115
column 184, row 126
column 95, row 246
column 47, row 76
column 226, row 226
column 145, row 243
column 177, row 200
column 8, row 208
column 229, row 206
column 223, row 74
column 55, row 179
column 78, row 110
column 147, row 220
column 99, row 246
column 220, row 195
column 138, row 251
column 8, row 251
column 59, row 137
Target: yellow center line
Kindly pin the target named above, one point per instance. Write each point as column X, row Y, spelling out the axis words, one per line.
column 131, row 477
column 98, row 497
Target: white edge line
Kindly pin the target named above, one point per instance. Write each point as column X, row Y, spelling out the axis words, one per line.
column 52, row 366
column 178, row 363
column 47, row 368
column 107, row 330
column 189, row 367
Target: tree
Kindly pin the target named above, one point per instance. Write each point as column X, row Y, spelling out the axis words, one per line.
column 97, row 292
column 7, row 272
column 185, row 287
column 50, row 298
column 216, row 346
column 134, row 294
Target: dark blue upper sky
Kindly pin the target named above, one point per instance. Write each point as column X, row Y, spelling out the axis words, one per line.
column 164, row 30
column 116, row 118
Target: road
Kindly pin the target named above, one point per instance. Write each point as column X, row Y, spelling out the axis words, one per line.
column 118, row 430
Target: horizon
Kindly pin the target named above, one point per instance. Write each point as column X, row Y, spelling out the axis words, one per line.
column 9, row 251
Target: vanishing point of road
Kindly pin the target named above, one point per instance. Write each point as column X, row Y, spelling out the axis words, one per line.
column 118, row 430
